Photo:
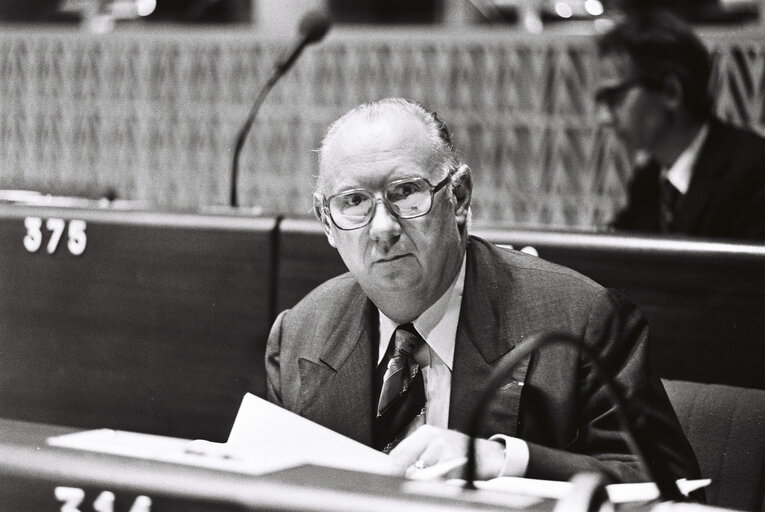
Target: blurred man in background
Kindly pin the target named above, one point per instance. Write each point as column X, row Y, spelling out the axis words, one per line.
column 696, row 175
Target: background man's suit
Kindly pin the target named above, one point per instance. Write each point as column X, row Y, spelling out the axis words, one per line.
column 321, row 356
column 726, row 196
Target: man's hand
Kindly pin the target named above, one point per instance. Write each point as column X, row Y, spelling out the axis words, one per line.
column 431, row 445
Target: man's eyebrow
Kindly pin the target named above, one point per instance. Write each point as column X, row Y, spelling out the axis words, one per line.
column 342, row 187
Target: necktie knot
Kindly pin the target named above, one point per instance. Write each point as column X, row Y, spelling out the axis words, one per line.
column 407, row 341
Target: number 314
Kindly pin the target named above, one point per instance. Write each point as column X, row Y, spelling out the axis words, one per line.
column 77, row 240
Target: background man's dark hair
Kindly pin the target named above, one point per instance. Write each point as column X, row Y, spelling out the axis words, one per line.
column 661, row 45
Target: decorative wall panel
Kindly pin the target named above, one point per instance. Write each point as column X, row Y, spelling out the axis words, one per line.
column 152, row 116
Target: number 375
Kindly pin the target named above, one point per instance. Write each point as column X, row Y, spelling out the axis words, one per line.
column 76, row 241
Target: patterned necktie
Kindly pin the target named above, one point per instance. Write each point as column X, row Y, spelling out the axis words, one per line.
column 402, row 395
column 669, row 196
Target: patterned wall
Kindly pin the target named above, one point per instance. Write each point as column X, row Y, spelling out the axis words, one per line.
column 153, row 115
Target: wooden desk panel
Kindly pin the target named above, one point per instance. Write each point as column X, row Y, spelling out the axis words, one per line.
column 160, row 324
column 157, row 326
column 705, row 301
column 305, row 261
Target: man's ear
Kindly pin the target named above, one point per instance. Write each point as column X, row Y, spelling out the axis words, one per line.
column 462, row 188
column 318, row 211
column 672, row 93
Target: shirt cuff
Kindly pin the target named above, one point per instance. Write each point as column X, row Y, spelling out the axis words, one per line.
column 516, row 455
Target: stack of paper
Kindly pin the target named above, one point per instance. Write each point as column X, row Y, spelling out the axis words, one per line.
column 267, row 438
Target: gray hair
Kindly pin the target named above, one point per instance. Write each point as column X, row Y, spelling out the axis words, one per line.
column 445, row 155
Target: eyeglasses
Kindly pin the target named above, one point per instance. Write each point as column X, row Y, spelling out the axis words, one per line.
column 405, row 198
column 610, row 95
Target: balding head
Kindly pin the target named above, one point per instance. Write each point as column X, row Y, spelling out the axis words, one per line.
column 350, row 134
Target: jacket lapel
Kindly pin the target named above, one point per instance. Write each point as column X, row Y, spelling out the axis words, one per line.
column 705, row 180
column 488, row 331
column 340, row 379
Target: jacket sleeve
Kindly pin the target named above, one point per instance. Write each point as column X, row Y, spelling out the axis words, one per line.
column 273, row 365
column 617, row 333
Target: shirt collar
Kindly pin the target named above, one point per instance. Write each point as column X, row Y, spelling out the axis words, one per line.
column 681, row 172
column 437, row 324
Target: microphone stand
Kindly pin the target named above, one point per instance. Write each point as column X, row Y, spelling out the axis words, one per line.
column 233, row 199
column 633, row 432
column 313, row 27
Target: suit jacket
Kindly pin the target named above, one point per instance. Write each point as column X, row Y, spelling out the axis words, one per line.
column 321, row 356
column 726, row 196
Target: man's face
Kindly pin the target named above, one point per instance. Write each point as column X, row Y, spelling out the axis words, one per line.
column 402, row 263
column 628, row 104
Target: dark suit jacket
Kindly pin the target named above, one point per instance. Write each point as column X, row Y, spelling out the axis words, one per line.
column 321, row 355
column 726, row 196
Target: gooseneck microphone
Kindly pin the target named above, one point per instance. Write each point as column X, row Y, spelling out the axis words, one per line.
column 313, row 27
column 635, row 427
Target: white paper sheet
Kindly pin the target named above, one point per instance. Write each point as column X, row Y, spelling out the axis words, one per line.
column 147, row 446
column 265, row 431
column 617, row 493
column 264, row 438
column 267, row 438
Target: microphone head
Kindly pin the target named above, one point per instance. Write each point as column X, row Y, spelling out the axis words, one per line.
column 314, row 26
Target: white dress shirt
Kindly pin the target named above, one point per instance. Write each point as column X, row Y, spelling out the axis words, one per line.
column 438, row 327
column 681, row 172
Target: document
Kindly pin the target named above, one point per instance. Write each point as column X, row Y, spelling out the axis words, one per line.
column 267, row 438
column 147, row 446
column 264, row 438
column 264, row 431
column 617, row 493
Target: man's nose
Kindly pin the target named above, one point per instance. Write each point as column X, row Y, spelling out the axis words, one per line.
column 384, row 225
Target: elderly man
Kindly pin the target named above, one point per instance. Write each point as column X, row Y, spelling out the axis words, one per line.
column 698, row 175
column 395, row 352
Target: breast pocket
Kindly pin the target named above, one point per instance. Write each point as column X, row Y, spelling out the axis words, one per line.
column 503, row 409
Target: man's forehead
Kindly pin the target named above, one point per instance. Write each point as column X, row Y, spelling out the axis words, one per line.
column 361, row 142
column 357, row 152
column 395, row 131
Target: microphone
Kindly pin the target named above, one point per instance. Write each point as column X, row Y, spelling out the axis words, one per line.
column 636, row 429
column 313, row 27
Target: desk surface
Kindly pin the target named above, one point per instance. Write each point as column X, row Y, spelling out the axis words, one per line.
column 37, row 477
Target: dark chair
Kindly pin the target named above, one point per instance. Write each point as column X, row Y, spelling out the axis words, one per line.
column 726, row 428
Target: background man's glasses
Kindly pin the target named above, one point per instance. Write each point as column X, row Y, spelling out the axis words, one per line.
column 405, row 198
column 610, row 96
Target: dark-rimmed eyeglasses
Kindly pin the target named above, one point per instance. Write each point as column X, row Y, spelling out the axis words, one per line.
column 610, row 96
column 405, row 198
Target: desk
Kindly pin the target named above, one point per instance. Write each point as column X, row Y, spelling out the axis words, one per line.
column 145, row 321
column 30, row 472
column 704, row 299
